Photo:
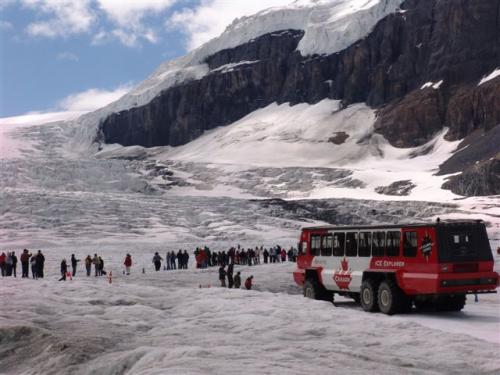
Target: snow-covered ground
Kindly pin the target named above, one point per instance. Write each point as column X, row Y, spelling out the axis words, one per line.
column 164, row 323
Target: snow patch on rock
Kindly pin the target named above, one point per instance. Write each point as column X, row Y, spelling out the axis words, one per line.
column 490, row 76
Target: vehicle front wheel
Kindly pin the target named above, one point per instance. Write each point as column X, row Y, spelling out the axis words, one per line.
column 368, row 296
column 310, row 289
column 314, row 291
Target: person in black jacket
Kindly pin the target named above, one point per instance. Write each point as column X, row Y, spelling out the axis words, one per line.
column 185, row 260
column 74, row 263
column 230, row 269
column 180, row 259
column 237, row 280
column 157, row 261
column 222, row 276
column 25, row 262
column 64, row 270
column 14, row 264
column 40, row 262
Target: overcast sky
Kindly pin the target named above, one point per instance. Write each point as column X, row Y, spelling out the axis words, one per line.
column 79, row 54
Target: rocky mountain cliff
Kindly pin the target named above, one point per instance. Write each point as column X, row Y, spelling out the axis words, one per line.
column 420, row 67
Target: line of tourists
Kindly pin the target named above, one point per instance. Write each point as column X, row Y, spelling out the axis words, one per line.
column 240, row 256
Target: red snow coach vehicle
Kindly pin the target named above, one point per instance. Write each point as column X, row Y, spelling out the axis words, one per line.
column 390, row 268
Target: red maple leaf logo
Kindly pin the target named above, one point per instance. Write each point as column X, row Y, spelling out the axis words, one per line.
column 342, row 276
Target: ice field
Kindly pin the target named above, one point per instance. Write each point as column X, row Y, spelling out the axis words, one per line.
column 162, row 323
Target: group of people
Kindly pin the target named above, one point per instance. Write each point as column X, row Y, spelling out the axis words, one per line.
column 233, row 281
column 8, row 264
column 95, row 261
column 173, row 260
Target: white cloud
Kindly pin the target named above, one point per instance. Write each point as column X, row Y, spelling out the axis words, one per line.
column 210, row 18
column 65, row 17
column 125, row 13
column 92, row 99
column 61, row 18
column 129, row 17
column 69, row 56
column 5, row 25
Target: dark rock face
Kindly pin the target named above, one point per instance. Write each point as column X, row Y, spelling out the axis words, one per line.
column 482, row 178
column 456, row 41
column 400, row 188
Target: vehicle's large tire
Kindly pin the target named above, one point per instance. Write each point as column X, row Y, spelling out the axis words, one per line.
column 310, row 289
column 314, row 291
column 368, row 296
column 391, row 299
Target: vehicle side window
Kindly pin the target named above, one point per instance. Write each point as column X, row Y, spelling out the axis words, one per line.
column 338, row 244
column 410, row 244
column 326, row 245
column 393, row 242
column 365, row 244
column 351, row 244
column 378, row 244
column 315, row 244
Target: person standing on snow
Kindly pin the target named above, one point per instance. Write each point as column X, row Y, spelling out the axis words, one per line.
column 237, row 280
column 14, row 264
column 248, row 282
column 25, row 263
column 222, row 276
column 3, row 260
column 185, row 260
column 127, row 263
column 101, row 267
column 179, row 259
column 168, row 261
column 157, row 261
column 95, row 262
column 172, row 260
column 88, row 265
column 40, row 263
column 64, row 270
column 230, row 269
column 34, row 270
column 74, row 263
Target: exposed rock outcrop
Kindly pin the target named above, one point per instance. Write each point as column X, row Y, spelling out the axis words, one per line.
column 483, row 178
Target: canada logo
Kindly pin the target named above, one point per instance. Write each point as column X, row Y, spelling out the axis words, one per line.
column 342, row 276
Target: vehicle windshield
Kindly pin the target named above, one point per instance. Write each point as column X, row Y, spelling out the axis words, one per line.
column 463, row 243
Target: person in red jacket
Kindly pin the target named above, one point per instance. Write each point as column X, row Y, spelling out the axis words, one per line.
column 248, row 282
column 3, row 257
column 128, row 263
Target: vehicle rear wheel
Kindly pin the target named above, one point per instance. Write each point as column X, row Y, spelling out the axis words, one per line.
column 391, row 298
column 368, row 296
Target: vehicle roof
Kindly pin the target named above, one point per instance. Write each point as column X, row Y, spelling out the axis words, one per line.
column 390, row 226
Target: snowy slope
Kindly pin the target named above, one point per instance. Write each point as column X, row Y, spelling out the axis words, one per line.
column 284, row 136
column 329, row 25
